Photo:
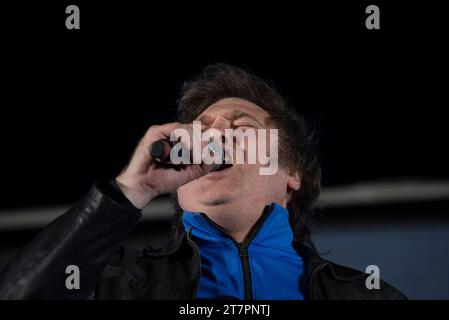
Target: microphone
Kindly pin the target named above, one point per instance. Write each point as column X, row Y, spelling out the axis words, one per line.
column 160, row 151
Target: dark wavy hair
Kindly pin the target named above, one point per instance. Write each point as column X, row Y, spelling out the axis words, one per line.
column 297, row 142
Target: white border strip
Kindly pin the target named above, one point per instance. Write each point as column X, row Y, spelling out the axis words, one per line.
column 373, row 193
column 384, row 192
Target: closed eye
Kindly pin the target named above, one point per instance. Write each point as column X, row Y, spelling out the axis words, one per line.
column 245, row 126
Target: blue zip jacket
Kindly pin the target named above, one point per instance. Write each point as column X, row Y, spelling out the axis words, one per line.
column 266, row 266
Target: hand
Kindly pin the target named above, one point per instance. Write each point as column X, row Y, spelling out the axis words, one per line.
column 143, row 179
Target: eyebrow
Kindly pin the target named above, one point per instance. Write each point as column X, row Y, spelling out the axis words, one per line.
column 234, row 115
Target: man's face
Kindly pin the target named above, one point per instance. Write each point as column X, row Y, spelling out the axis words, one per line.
column 241, row 182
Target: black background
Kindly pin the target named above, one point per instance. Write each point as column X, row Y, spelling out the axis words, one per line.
column 74, row 103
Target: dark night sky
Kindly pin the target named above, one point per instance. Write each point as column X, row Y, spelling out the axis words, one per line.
column 75, row 103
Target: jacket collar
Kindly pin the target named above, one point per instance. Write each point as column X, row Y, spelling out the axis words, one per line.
column 304, row 250
column 313, row 262
column 272, row 228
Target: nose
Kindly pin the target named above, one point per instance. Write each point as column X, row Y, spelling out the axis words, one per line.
column 220, row 124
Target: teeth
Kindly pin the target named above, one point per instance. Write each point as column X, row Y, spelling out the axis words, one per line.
column 217, row 150
column 227, row 158
column 215, row 147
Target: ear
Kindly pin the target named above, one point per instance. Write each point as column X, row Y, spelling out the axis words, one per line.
column 294, row 181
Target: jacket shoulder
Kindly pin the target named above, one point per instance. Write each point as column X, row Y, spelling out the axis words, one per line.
column 147, row 273
column 342, row 282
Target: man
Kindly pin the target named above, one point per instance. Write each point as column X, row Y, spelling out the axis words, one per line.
column 239, row 234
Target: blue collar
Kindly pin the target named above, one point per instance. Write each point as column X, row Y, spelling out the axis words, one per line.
column 272, row 229
column 265, row 266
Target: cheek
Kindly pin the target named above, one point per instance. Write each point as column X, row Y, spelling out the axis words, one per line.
column 184, row 193
column 275, row 184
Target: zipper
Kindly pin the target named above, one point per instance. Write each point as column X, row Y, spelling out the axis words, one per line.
column 243, row 248
column 247, row 279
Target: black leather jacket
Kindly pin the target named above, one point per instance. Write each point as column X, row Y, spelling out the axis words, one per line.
column 90, row 235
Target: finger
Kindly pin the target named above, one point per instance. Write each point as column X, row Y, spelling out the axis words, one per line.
column 141, row 159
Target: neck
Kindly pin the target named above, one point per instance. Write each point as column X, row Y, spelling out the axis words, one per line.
column 237, row 219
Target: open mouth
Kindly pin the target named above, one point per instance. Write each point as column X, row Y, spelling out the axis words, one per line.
column 224, row 166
